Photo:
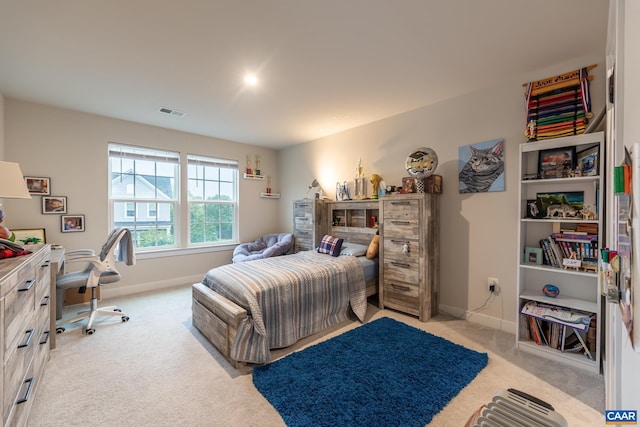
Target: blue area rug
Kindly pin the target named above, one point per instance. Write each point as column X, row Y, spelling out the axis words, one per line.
column 382, row 373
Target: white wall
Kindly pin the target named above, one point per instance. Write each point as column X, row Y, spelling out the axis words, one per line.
column 478, row 232
column 71, row 148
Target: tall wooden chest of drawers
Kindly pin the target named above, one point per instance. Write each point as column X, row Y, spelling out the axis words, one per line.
column 409, row 254
column 25, row 320
column 309, row 223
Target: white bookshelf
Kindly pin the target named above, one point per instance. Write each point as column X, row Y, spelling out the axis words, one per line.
column 579, row 289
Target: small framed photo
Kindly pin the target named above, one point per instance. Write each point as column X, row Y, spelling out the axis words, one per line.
column 533, row 209
column 556, row 163
column 588, row 161
column 54, row 204
column 72, row 223
column 30, row 236
column 38, row 185
column 532, row 255
column 409, row 184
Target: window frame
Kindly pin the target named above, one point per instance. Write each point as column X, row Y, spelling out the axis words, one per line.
column 233, row 166
column 182, row 221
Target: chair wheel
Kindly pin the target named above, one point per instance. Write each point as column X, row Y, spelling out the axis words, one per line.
column 60, row 330
column 117, row 309
column 90, row 331
column 125, row 318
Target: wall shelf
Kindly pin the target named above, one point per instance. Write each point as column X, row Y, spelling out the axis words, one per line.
column 251, row 176
column 270, row 195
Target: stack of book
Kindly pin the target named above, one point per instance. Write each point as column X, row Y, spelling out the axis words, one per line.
column 577, row 245
column 558, row 328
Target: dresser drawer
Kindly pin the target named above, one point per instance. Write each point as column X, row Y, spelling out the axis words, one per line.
column 17, row 413
column 401, row 209
column 17, row 362
column 394, row 249
column 19, row 311
column 403, row 228
column 402, row 296
column 402, row 270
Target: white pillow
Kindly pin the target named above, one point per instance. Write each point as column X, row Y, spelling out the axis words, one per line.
column 353, row 249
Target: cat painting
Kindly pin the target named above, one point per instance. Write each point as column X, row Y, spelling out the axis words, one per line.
column 484, row 168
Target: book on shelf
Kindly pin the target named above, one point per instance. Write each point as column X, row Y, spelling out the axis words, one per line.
column 566, row 336
column 551, row 313
column 559, row 246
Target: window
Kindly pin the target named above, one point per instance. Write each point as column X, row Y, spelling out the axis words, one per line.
column 143, row 194
column 213, row 200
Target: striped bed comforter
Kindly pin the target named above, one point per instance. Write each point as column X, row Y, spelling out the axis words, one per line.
column 288, row 298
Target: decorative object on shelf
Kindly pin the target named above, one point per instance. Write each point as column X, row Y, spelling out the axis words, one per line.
column 314, row 184
column 558, row 106
column 420, row 164
column 550, row 290
column 557, row 163
column 481, row 167
column 54, row 204
column 375, row 180
column 269, row 184
column 588, row 161
column 249, row 170
column 433, row 184
column 533, row 255
column 342, row 192
column 38, row 185
column 572, row 262
column 72, row 223
column 360, row 188
column 360, row 169
column 566, row 204
column 588, row 212
column 408, row 185
column 257, row 171
column 533, row 209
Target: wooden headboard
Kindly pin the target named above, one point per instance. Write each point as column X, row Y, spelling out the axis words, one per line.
column 355, row 221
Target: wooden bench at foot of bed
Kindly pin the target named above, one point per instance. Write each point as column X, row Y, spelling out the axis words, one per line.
column 218, row 318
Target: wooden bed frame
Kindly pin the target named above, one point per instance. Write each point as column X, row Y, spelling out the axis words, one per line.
column 218, row 318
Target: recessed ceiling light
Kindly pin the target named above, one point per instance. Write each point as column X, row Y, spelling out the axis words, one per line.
column 250, row 80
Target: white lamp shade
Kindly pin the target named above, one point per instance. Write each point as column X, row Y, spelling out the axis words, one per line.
column 12, row 183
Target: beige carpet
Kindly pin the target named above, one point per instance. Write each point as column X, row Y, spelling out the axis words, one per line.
column 156, row 370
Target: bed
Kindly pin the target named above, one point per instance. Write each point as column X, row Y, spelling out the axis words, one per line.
column 247, row 309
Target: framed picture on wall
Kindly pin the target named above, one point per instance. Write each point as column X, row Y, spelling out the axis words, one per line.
column 54, row 204
column 38, row 185
column 72, row 223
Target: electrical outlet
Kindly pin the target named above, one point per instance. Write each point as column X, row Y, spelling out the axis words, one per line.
column 492, row 283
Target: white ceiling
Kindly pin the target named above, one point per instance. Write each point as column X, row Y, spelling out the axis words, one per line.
column 324, row 65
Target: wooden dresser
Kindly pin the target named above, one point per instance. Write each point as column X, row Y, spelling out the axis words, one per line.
column 25, row 319
column 409, row 254
column 309, row 223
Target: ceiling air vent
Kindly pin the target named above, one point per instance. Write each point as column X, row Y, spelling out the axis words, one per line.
column 171, row 112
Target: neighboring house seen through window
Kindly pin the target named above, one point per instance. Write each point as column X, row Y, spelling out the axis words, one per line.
column 144, row 196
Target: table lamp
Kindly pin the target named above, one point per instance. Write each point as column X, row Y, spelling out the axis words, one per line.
column 12, row 186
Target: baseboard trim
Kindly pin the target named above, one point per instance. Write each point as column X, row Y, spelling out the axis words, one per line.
column 480, row 318
column 114, row 292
